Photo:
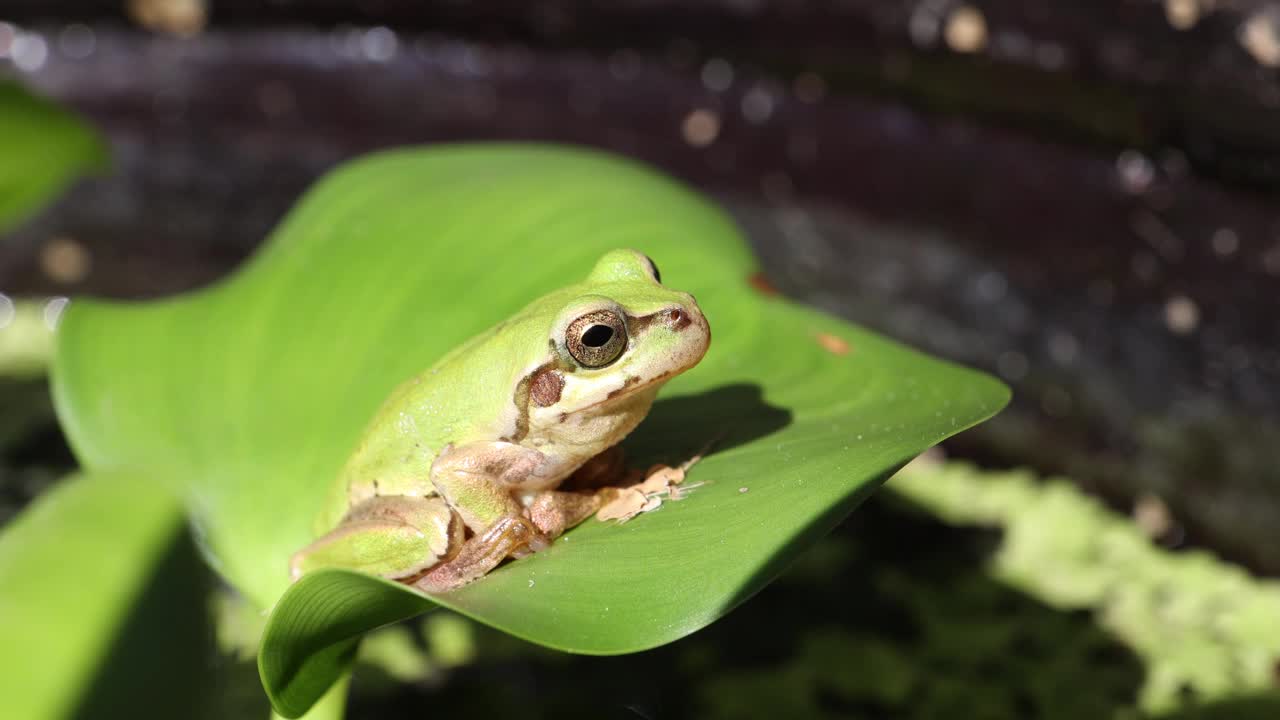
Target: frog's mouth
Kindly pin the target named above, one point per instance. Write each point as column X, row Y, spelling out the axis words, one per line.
column 634, row 385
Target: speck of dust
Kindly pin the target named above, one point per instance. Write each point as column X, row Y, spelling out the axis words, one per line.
column 1181, row 315
column 1183, row 14
column 966, row 30
column 64, row 260
column 28, row 51
column 1260, row 36
column 530, row 582
column 184, row 18
column 743, row 489
column 1225, row 242
column 1271, row 260
column 379, row 44
column 701, row 127
column 757, row 105
column 1063, row 348
column 1136, row 171
column 717, row 75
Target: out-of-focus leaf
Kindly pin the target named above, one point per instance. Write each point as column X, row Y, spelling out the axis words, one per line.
column 1201, row 625
column 26, row 336
column 42, row 149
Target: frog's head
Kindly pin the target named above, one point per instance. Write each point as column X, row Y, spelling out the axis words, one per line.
column 619, row 336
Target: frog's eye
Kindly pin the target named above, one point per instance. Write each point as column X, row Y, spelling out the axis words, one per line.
column 597, row 338
column 653, row 270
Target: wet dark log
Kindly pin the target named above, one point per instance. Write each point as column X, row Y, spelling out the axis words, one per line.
column 1199, row 75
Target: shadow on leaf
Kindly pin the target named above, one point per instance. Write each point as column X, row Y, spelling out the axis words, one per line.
column 719, row 419
column 157, row 661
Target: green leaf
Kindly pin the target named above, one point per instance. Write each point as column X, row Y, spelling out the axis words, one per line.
column 102, row 604
column 44, row 148
column 253, row 392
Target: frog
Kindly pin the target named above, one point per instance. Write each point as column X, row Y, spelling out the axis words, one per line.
column 461, row 467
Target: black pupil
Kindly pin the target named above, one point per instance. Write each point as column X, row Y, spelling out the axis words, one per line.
column 597, row 336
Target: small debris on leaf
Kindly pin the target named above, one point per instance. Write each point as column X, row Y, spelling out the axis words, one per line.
column 760, row 283
column 1152, row 516
column 742, row 489
column 832, row 344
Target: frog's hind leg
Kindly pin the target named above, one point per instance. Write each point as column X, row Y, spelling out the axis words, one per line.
column 478, row 479
column 510, row 535
column 393, row 536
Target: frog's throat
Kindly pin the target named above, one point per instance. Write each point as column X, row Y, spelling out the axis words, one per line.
column 631, row 387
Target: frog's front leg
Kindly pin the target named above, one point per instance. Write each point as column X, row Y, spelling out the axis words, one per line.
column 393, row 536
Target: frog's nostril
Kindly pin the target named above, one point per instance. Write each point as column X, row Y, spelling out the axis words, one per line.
column 678, row 319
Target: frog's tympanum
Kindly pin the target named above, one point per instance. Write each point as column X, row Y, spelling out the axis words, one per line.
column 460, row 468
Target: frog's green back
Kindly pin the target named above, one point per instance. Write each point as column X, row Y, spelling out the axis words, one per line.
column 468, row 395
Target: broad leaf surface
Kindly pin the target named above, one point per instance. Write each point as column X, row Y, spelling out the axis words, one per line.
column 42, row 149
column 252, row 393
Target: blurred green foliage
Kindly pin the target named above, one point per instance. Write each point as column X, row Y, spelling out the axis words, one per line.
column 26, row 336
column 44, row 148
column 1203, row 628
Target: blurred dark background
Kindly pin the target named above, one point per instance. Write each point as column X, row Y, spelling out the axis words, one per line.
column 1077, row 195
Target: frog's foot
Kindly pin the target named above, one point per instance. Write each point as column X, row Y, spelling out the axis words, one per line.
column 390, row 536
column 482, row 553
column 554, row 511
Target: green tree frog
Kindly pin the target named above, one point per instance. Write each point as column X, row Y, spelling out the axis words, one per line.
column 459, row 468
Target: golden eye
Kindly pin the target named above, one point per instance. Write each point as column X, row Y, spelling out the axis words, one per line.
column 597, row 338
